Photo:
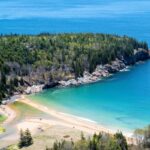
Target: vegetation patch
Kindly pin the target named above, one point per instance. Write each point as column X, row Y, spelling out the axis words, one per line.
column 23, row 110
column 12, row 147
column 25, row 139
column 2, row 130
column 2, row 118
column 97, row 142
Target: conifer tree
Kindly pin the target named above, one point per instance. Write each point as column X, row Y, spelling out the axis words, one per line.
column 29, row 140
column 25, row 139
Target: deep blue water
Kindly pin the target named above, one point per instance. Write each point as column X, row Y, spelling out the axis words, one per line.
column 125, row 17
column 120, row 102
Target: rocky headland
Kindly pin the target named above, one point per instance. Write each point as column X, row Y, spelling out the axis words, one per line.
column 101, row 71
column 29, row 64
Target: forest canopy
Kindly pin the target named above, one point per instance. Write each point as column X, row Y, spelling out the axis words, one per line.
column 21, row 55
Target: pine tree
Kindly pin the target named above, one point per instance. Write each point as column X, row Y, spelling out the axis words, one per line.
column 29, row 140
column 25, row 139
column 22, row 139
column 121, row 140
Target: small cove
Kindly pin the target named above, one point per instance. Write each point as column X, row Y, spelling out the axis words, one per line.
column 119, row 102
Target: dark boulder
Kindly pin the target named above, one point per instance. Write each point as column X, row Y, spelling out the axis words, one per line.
column 141, row 55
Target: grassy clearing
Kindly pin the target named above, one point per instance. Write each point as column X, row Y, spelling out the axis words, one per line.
column 23, row 110
column 2, row 118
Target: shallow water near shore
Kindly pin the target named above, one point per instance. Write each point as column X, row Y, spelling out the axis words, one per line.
column 121, row 102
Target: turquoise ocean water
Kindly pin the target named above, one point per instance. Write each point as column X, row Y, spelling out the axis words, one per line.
column 120, row 102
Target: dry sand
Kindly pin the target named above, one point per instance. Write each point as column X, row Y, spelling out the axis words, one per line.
column 42, row 125
column 70, row 120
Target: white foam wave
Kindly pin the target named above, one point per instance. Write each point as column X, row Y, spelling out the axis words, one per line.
column 81, row 118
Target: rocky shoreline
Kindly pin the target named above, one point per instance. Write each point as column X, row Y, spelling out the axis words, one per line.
column 101, row 72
